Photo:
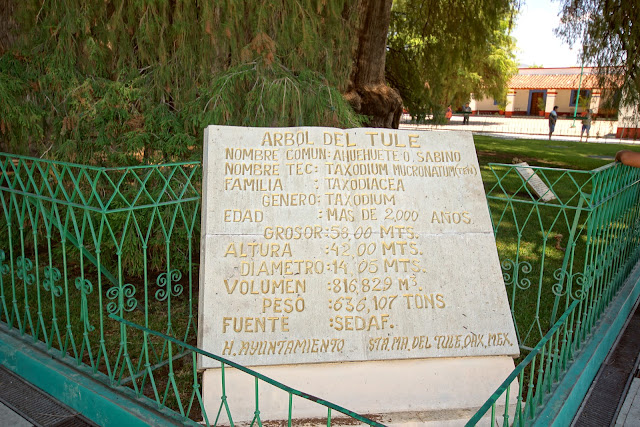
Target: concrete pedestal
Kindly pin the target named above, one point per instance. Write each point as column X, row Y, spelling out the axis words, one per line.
column 439, row 391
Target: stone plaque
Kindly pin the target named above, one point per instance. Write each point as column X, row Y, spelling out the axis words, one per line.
column 327, row 245
column 537, row 185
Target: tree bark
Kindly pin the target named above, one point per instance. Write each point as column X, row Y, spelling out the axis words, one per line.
column 8, row 28
column 368, row 93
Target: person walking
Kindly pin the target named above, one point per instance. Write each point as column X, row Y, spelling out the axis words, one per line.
column 586, row 125
column 466, row 112
column 553, row 118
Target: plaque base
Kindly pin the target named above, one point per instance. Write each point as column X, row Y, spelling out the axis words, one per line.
column 436, row 391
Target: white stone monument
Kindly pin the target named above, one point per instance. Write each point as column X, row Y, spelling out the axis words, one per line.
column 356, row 265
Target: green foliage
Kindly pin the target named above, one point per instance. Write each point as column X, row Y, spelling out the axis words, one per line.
column 502, row 103
column 119, row 83
column 122, row 83
column 610, row 35
column 21, row 118
column 584, row 102
column 272, row 95
column 440, row 52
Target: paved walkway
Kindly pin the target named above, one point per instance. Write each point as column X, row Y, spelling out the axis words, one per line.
column 630, row 413
column 602, row 131
column 8, row 417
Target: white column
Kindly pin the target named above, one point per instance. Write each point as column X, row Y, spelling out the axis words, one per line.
column 472, row 105
column 628, row 123
column 511, row 96
column 594, row 105
column 551, row 101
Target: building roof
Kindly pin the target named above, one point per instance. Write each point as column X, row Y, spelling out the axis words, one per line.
column 553, row 81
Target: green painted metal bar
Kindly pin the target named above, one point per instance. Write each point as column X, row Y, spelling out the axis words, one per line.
column 126, row 380
column 568, row 253
column 603, row 244
column 67, row 228
column 251, row 372
column 528, row 361
column 81, row 248
column 575, row 110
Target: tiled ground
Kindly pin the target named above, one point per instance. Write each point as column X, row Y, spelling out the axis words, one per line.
column 629, row 415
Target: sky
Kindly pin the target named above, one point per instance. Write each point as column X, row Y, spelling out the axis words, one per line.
column 536, row 42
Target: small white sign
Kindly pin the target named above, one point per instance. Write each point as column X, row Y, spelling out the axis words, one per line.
column 538, row 186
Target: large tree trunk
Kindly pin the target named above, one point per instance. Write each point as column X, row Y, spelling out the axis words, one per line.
column 8, row 29
column 368, row 93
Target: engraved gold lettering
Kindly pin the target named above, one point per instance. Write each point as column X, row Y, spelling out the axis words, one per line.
column 425, row 301
column 253, row 249
column 252, row 184
column 243, row 215
column 355, row 169
column 290, row 199
column 253, row 169
column 255, row 154
column 360, row 323
column 359, row 199
column 228, row 347
column 446, row 217
column 368, row 183
column 420, row 342
column 306, row 153
column 266, row 286
column 401, row 265
column 255, row 324
column 283, row 305
column 397, row 231
column 286, row 267
column 293, row 233
column 336, row 214
column 400, row 247
column 439, row 156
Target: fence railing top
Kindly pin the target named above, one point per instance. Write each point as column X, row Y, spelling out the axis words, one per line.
column 596, row 186
column 100, row 189
column 93, row 167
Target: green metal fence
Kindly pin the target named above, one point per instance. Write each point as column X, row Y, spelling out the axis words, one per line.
column 563, row 263
column 99, row 267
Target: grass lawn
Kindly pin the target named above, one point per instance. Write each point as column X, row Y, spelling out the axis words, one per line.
column 537, row 152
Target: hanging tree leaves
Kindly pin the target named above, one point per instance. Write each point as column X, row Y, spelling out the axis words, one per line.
column 441, row 51
column 610, row 35
column 128, row 81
